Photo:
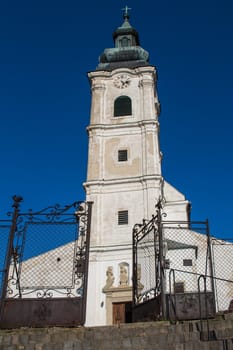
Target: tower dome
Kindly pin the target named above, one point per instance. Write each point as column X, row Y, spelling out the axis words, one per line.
column 127, row 51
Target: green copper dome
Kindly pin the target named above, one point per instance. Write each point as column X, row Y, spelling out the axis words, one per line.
column 127, row 52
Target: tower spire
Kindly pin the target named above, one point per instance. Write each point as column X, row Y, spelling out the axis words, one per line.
column 126, row 12
column 127, row 51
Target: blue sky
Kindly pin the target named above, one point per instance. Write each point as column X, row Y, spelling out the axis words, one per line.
column 47, row 47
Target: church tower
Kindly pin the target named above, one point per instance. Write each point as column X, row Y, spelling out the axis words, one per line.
column 124, row 179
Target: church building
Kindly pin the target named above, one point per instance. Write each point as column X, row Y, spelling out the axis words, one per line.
column 124, row 178
column 175, row 269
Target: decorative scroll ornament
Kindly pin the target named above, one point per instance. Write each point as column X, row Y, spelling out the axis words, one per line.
column 122, row 81
column 25, row 274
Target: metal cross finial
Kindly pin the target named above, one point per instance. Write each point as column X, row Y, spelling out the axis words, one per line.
column 126, row 14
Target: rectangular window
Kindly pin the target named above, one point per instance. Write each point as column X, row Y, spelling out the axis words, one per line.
column 123, row 217
column 179, row 287
column 122, row 155
column 187, row 262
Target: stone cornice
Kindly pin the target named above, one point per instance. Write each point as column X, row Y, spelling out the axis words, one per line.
column 126, row 180
column 110, row 248
column 109, row 74
column 122, row 125
column 117, row 289
column 172, row 203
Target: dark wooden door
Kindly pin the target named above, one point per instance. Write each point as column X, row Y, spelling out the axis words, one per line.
column 118, row 313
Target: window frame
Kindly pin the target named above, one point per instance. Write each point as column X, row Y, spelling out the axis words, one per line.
column 122, row 155
column 122, row 106
column 122, row 217
column 187, row 262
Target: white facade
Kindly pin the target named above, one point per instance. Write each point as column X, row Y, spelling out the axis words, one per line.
column 133, row 185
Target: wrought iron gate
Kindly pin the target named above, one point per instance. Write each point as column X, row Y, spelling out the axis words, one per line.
column 172, row 270
column 4, row 241
column 148, row 274
column 45, row 272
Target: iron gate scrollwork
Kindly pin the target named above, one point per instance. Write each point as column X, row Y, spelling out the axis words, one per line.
column 171, row 259
column 47, row 264
column 148, row 269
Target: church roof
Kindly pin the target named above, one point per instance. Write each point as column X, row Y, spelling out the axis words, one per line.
column 127, row 51
column 174, row 245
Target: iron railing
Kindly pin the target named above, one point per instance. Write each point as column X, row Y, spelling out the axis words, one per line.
column 222, row 254
column 46, row 259
column 180, row 272
column 148, row 267
column 168, row 259
column 4, row 243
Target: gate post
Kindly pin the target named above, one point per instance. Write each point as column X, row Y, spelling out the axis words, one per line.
column 87, row 252
column 17, row 200
column 161, row 261
column 210, row 257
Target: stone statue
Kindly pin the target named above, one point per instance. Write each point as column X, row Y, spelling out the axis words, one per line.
column 110, row 277
column 124, row 279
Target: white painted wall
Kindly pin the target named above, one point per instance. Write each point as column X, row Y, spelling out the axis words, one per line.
column 135, row 185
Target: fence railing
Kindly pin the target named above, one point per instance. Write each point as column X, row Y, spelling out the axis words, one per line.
column 4, row 241
column 222, row 251
column 180, row 270
column 44, row 258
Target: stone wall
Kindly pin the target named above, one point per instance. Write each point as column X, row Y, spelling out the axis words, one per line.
column 138, row 336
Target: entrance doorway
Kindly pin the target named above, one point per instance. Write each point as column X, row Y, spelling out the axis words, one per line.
column 122, row 312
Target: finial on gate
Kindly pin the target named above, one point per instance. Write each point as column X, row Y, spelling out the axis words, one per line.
column 17, row 200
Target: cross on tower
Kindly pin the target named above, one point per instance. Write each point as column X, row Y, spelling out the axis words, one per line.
column 126, row 9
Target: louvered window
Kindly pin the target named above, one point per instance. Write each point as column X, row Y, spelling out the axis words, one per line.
column 122, row 155
column 123, row 217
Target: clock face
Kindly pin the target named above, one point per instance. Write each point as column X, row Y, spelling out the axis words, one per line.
column 122, row 81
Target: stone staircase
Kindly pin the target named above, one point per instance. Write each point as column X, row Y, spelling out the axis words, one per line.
column 138, row 336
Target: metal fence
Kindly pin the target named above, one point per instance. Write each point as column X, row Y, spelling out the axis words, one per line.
column 148, row 262
column 187, row 252
column 222, row 251
column 188, row 270
column 180, row 272
column 45, row 255
column 148, row 269
column 4, row 240
column 45, row 271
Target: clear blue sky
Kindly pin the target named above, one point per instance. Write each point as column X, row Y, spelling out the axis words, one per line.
column 47, row 47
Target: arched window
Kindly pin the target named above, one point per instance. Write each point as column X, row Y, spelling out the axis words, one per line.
column 122, row 106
